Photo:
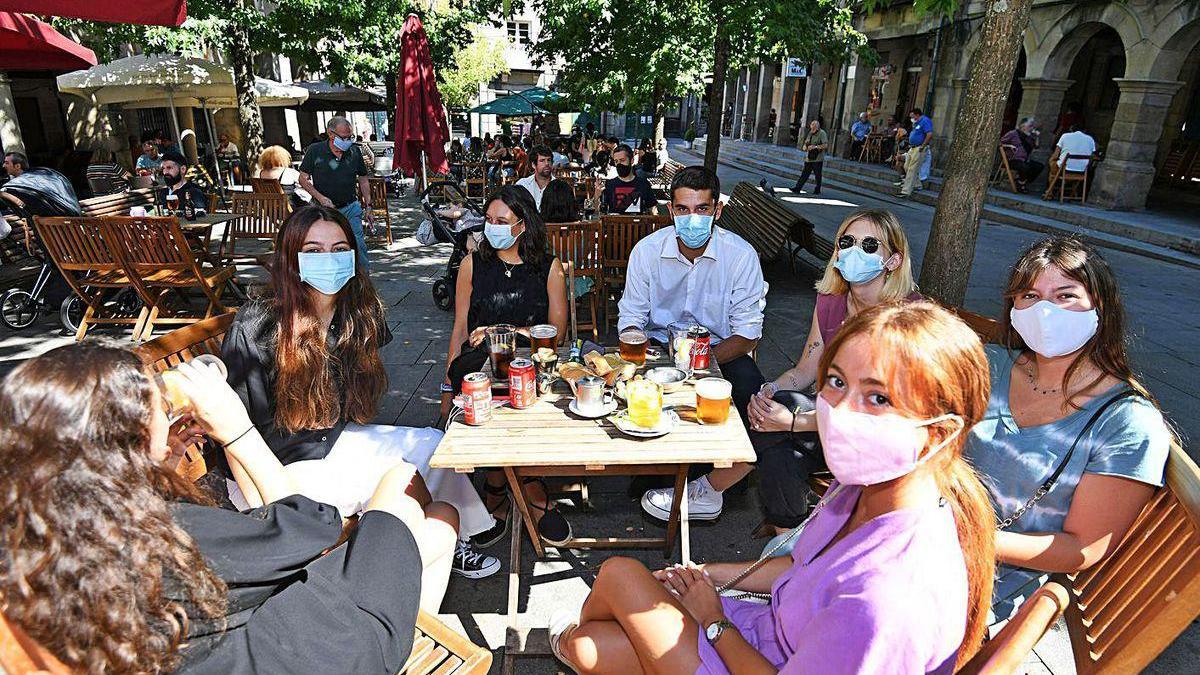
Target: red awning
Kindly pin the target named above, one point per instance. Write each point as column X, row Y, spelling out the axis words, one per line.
column 29, row 44
column 151, row 12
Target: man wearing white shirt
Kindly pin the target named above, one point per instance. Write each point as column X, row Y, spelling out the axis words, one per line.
column 1074, row 142
column 543, row 167
column 698, row 272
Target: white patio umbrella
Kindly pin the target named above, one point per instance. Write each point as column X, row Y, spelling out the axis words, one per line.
column 165, row 80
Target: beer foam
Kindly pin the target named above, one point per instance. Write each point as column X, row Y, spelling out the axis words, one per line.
column 714, row 388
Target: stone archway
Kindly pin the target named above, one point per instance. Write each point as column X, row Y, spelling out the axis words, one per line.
column 1177, row 155
column 1097, row 66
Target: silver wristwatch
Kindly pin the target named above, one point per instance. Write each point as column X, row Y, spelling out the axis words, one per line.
column 715, row 630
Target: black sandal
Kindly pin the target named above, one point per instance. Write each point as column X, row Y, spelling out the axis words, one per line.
column 552, row 527
column 496, row 533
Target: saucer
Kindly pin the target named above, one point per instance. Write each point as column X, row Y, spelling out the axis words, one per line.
column 608, row 410
column 666, row 423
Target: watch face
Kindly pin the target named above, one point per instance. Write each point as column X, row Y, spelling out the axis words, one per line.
column 713, row 630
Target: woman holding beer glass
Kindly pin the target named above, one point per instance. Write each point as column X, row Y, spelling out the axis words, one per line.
column 511, row 285
column 871, row 265
column 117, row 564
column 305, row 362
column 893, row 572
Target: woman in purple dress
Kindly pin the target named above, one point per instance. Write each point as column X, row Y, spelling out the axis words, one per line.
column 893, row 572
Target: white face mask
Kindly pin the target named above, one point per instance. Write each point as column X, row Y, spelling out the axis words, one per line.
column 1051, row 330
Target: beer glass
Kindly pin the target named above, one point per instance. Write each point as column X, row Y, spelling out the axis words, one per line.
column 502, row 345
column 172, row 203
column 543, row 336
column 645, row 402
column 712, row 400
column 176, row 403
column 633, row 346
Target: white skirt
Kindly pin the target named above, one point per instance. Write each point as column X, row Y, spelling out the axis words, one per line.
column 348, row 475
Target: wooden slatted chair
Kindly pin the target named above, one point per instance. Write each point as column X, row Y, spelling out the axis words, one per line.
column 618, row 235
column 270, row 186
column 379, row 207
column 765, row 223
column 78, row 250
column 180, row 345
column 156, row 255
column 1005, row 653
column 262, row 214
column 578, row 244
column 475, row 181
column 1077, row 179
column 1003, row 170
column 117, row 204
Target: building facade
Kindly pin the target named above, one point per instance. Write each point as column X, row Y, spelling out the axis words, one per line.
column 1129, row 69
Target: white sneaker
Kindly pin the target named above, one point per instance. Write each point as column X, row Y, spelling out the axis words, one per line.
column 704, row 503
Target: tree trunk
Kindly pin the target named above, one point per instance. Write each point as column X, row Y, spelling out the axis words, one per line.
column 247, row 98
column 659, row 108
column 389, row 87
column 716, row 95
column 951, row 247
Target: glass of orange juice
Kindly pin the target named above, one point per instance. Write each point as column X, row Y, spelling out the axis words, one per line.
column 645, row 400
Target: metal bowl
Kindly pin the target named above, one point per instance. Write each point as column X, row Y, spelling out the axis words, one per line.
column 670, row 378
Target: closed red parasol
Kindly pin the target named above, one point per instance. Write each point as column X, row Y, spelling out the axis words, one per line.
column 29, row 44
column 420, row 117
column 152, row 12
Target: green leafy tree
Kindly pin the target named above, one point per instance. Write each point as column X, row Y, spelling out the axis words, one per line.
column 479, row 62
column 749, row 31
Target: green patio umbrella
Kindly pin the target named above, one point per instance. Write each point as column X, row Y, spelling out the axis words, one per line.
column 509, row 106
column 538, row 95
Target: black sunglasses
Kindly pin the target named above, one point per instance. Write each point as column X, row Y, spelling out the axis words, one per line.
column 868, row 244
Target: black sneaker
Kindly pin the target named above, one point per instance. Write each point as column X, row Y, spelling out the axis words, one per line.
column 490, row 536
column 554, row 529
column 471, row 564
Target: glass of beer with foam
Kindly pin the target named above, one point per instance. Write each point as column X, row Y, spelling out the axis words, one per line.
column 713, row 396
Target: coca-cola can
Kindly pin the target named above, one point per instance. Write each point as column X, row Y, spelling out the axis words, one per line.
column 522, row 383
column 701, row 343
column 477, row 399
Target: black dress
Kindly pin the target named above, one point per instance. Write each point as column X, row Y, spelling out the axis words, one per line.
column 519, row 298
column 292, row 610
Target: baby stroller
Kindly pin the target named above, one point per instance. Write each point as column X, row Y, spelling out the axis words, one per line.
column 437, row 197
column 40, row 192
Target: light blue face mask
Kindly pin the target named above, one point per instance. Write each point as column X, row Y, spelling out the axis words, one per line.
column 857, row 266
column 693, row 229
column 327, row 272
column 500, row 235
column 343, row 144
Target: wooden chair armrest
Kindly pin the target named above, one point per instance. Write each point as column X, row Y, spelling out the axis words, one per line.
column 1007, row 651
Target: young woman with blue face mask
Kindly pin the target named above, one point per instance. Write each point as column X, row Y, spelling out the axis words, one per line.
column 871, row 265
column 893, row 572
column 513, row 279
column 305, row 361
column 1067, row 409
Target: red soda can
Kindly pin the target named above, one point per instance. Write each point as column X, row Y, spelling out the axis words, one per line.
column 522, row 383
column 700, row 347
column 477, row 399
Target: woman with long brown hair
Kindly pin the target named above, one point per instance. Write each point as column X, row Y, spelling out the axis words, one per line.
column 305, row 361
column 116, row 564
column 1068, row 418
column 893, row 572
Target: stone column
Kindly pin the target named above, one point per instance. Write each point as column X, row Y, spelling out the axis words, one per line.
column 783, row 134
column 739, row 101
column 814, row 92
column 766, row 100
column 1124, row 178
column 1042, row 99
column 750, row 103
column 947, row 101
column 732, row 83
column 10, row 130
column 187, row 120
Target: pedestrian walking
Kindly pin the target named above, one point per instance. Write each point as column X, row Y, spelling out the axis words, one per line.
column 331, row 171
column 815, row 142
column 920, row 154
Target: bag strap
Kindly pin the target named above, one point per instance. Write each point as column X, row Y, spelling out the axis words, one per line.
column 1049, row 483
